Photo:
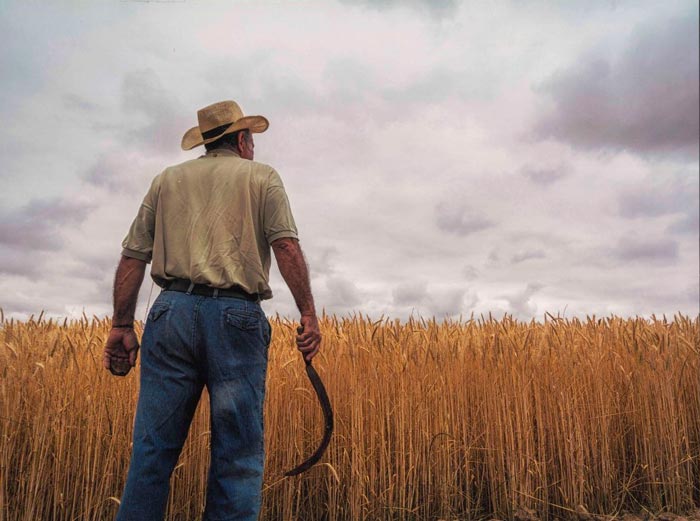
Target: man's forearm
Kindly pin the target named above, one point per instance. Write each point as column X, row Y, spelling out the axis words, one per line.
column 295, row 273
column 127, row 282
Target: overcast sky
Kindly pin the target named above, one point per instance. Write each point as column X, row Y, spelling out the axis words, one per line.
column 441, row 158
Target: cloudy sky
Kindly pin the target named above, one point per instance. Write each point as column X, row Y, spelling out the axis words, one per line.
column 441, row 158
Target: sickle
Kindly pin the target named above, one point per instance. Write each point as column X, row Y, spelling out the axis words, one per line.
column 327, row 416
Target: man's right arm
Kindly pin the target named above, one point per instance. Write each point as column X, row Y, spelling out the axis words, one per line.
column 292, row 266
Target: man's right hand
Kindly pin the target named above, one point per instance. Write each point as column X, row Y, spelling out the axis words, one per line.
column 309, row 340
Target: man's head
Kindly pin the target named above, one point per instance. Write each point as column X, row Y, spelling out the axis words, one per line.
column 240, row 141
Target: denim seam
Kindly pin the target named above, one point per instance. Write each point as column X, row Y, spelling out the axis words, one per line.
column 195, row 312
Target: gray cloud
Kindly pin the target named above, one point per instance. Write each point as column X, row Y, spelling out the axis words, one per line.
column 458, row 218
column 95, row 266
column 470, row 272
column 689, row 224
column 74, row 101
column 15, row 261
column 32, row 234
column 494, row 258
column 440, row 302
column 321, row 262
column 349, row 80
column 267, row 87
column 162, row 119
column 30, row 49
column 119, row 172
column 37, row 225
column 519, row 303
column 103, row 174
column 437, row 8
column 16, row 304
column 522, row 256
column 410, row 294
column 451, row 302
column 693, row 292
column 646, row 250
column 645, row 100
column 342, row 293
column 661, row 195
column 545, row 176
column 443, row 83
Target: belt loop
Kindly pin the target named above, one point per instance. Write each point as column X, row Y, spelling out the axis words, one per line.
column 216, row 292
column 189, row 290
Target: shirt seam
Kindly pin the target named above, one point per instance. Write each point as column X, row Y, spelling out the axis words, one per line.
column 127, row 252
column 281, row 234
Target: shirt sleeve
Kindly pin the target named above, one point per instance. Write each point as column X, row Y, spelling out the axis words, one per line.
column 138, row 243
column 278, row 221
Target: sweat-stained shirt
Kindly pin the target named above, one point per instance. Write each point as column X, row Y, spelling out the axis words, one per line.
column 211, row 220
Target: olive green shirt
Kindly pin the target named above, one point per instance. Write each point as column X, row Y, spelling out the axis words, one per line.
column 211, row 220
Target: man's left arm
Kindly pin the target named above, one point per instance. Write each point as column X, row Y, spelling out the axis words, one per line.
column 122, row 344
column 127, row 283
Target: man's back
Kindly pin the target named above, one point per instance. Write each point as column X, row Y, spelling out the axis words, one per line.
column 214, row 220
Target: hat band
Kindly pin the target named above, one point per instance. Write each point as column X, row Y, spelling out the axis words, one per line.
column 216, row 131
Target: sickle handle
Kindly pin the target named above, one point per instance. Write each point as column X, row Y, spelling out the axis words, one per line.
column 300, row 330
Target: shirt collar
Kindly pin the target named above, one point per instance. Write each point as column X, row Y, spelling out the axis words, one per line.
column 221, row 152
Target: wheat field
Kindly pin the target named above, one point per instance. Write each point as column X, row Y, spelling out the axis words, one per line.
column 454, row 420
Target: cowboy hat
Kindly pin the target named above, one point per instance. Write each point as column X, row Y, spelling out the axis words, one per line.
column 218, row 120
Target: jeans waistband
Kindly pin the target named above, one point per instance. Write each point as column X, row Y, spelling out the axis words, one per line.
column 187, row 286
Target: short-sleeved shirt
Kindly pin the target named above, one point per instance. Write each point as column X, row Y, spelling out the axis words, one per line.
column 211, row 220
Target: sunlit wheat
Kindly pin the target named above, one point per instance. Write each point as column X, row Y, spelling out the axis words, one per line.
column 434, row 420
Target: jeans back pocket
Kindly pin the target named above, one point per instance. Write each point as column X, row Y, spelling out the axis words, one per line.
column 242, row 319
column 157, row 311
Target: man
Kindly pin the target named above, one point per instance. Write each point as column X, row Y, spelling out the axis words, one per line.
column 207, row 226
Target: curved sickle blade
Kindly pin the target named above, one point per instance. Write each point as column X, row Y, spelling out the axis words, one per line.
column 328, row 419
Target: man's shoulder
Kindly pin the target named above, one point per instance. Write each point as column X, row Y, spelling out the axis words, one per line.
column 189, row 163
column 262, row 170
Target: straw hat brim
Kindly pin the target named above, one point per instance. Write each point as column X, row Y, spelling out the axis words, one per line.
column 256, row 124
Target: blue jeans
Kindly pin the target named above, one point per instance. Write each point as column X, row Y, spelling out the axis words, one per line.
column 190, row 341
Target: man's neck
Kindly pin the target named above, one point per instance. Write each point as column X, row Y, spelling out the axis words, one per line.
column 228, row 148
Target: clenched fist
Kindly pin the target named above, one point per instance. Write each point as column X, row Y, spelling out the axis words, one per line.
column 120, row 351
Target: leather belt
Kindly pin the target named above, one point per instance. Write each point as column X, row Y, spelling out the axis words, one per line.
column 188, row 286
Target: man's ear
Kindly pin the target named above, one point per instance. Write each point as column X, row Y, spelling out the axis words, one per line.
column 241, row 141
